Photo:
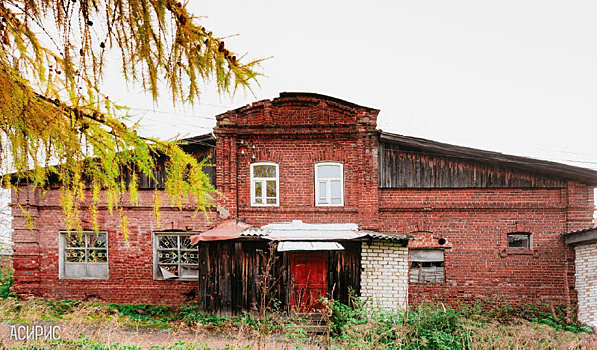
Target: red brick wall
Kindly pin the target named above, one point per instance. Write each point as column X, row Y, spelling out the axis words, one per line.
column 475, row 223
column 322, row 130
column 130, row 264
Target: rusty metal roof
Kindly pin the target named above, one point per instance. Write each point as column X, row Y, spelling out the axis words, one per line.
column 226, row 230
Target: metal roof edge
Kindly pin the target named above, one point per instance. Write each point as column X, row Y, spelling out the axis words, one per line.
column 586, row 236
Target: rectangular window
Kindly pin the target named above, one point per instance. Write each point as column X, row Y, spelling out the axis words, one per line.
column 264, row 184
column 175, row 257
column 329, row 184
column 83, row 255
column 427, row 266
column 519, row 240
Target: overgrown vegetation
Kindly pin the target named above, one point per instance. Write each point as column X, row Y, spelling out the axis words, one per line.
column 6, row 282
column 427, row 326
column 84, row 343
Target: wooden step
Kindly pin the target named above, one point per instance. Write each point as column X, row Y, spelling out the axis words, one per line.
column 311, row 322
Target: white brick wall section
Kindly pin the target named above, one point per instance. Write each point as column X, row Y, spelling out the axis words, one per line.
column 5, row 223
column 586, row 283
column 384, row 278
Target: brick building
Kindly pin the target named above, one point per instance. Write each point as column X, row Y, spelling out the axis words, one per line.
column 395, row 218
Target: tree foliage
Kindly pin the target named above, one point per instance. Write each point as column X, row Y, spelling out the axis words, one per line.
column 54, row 118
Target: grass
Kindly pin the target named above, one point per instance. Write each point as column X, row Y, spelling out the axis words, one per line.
column 6, row 281
column 426, row 326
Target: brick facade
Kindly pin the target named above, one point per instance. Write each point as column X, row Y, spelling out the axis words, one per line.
column 586, row 283
column 36, row 250
column 475, row 224
column 296, row 131
column 384, row 278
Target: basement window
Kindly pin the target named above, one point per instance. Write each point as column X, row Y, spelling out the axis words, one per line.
column 175, row 257
column 519, row 240
column 83, row 255
column 427, row 266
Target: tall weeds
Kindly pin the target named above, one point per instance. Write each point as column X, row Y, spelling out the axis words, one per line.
column 6, row 281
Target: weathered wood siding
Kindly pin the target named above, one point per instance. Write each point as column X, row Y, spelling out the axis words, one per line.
column 229, row 272
column 410, row 168
column 229, row 275
column 344, row 272
column 200, row 153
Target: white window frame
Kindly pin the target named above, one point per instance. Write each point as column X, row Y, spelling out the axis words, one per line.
column 157, row 272
column 263, row 181
column 328, row 182
column 92, row 270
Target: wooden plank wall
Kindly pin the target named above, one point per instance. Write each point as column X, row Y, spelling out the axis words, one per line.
column 229, row 275
column 408, row 168
column 344, row 272
column 229, row 272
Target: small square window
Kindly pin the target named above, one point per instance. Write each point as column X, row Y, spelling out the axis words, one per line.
column 83, row 255
column 519, row 240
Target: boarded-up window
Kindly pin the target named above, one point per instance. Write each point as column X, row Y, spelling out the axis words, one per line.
column 175, row 257
column 427, row 266
column 519, row 240
column 83, row 255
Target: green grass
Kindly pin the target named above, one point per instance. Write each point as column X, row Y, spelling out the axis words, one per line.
column 421, row 327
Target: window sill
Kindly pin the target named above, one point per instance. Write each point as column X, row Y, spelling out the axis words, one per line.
column 513, row 251
column 183, row 279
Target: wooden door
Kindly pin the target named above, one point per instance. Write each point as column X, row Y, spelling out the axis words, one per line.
column 308, row 281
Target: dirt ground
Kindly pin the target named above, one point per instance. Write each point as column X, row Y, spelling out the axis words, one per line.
column 146, row 338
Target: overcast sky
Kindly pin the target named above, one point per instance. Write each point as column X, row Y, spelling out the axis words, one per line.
column 518, row 77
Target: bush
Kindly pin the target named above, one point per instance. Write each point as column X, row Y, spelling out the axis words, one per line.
column 6, row 282
column 434, row 326
column 343, row 314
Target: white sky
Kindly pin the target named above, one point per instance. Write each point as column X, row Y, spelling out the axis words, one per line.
column 518, row 77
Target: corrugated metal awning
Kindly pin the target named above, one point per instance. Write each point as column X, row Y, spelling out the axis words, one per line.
column 300, row 231
column 287, row 246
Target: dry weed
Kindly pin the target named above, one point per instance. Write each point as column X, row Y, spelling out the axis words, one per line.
column 521, row 335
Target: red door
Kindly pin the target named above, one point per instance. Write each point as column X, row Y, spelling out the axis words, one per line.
column 308, row 281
